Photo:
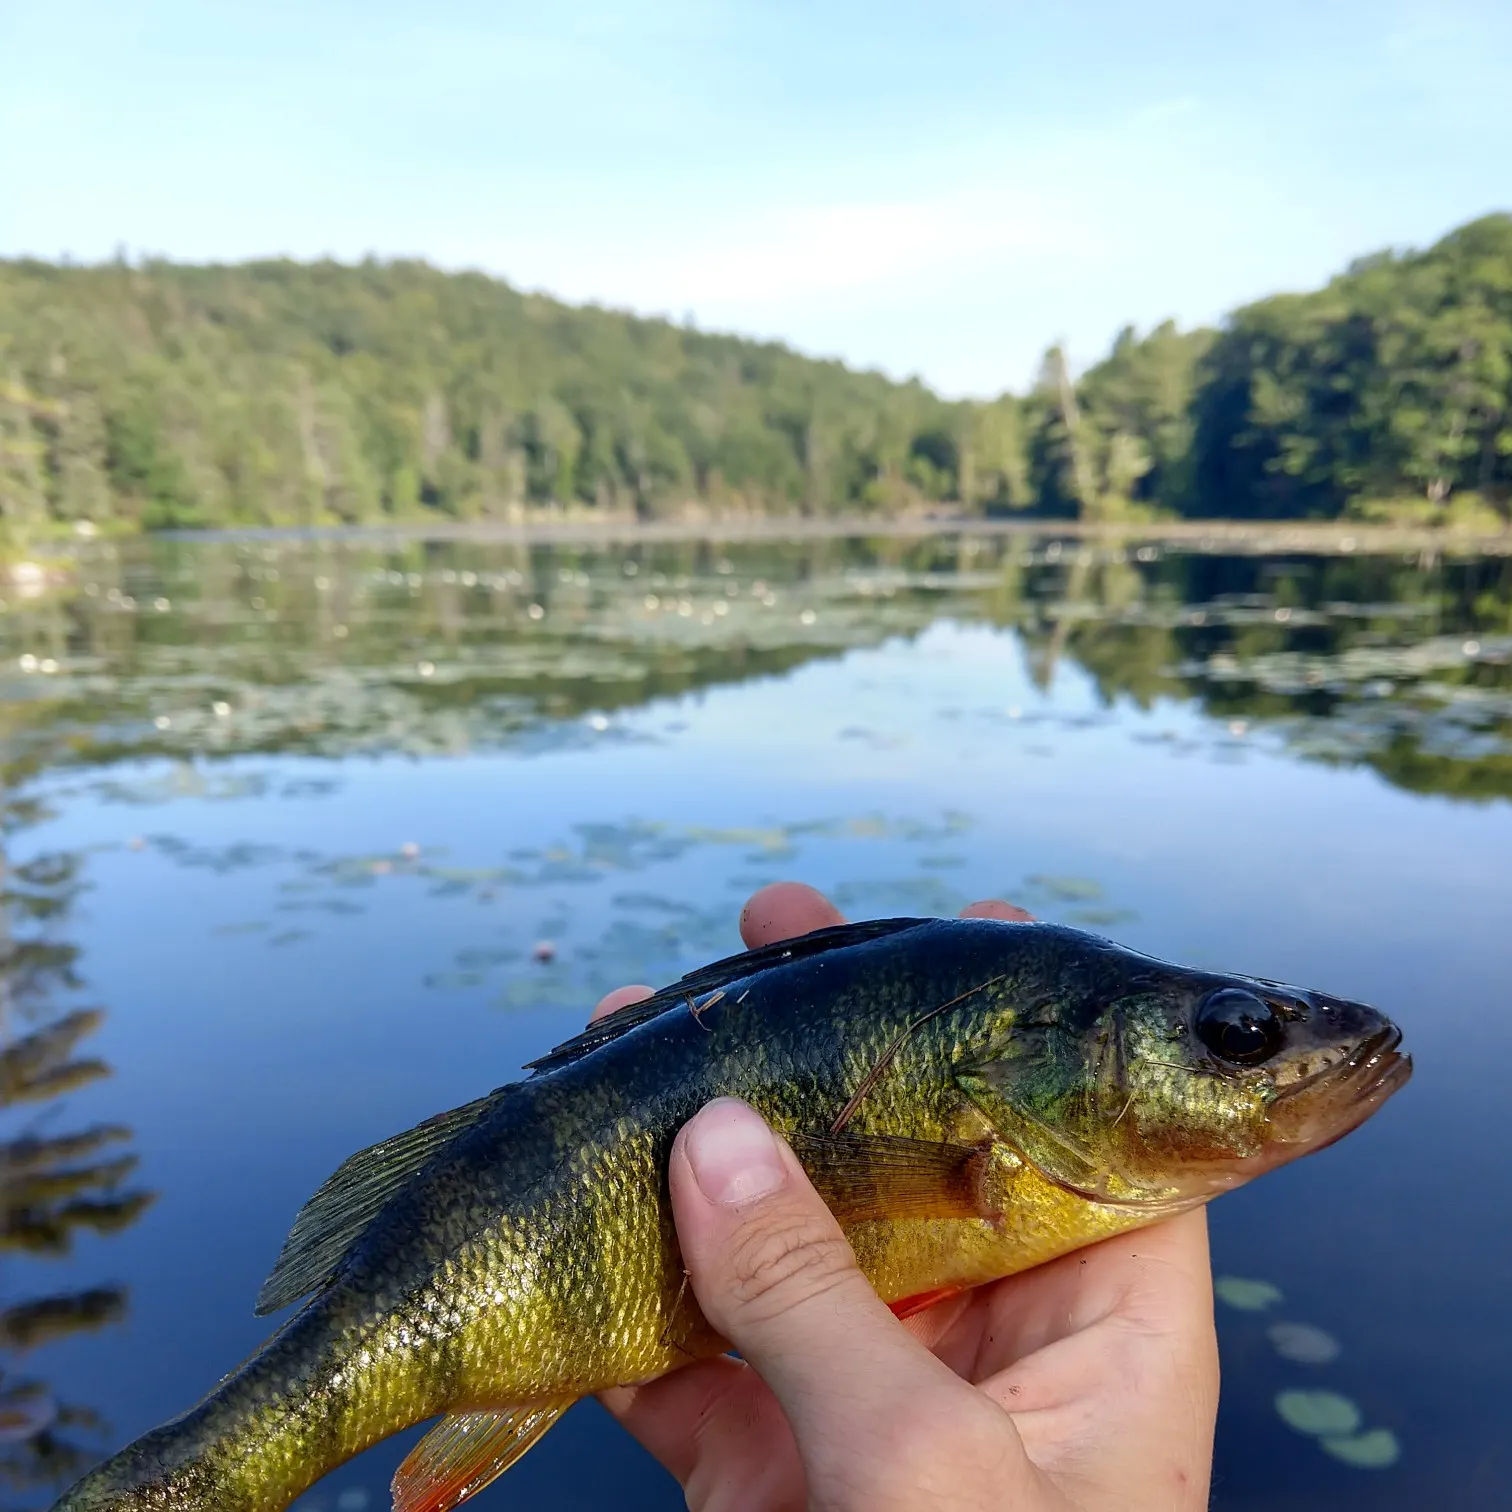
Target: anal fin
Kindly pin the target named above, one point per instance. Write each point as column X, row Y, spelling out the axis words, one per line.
column 911, row 1307
column 466, row 1452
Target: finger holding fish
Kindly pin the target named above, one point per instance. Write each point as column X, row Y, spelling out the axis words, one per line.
column 783, row 911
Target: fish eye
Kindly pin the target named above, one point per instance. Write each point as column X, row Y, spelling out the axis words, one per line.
column 1238, row 1026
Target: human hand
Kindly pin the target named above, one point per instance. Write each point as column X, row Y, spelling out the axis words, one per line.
column 1085, row 1385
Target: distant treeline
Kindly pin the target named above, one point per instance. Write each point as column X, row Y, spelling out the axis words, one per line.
column 157, row 395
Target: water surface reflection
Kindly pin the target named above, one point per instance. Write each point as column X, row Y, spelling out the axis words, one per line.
column 345, row 833
column 58, row 1180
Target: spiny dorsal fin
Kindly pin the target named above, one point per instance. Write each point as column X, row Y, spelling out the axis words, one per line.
column 710, row 978
column 351, row 1198
column 465, row 1452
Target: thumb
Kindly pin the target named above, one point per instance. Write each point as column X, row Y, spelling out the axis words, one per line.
column 775, row 1276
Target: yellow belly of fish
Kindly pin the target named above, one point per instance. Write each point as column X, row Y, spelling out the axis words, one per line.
column 916, row 1257
column 623, row 1311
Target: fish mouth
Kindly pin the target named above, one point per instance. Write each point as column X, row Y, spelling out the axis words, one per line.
column 1345, row 1094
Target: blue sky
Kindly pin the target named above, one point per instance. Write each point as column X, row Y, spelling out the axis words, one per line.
column 940, row 188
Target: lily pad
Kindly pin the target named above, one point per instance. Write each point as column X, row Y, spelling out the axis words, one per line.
column 1325, row 1414
column 1066, row 889
column 1303, row 1343
column 1102, row 918
column 1375, row 1449
column 1246, row 1295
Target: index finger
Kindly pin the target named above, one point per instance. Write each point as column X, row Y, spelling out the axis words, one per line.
column 996, row 908
column 621, row 997
column 782, row 910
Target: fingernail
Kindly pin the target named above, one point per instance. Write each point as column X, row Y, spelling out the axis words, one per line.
column 733, row 1154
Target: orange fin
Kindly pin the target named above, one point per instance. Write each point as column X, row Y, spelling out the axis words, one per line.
column 465, row 1452
column 866, row 1177
column 906, row 1307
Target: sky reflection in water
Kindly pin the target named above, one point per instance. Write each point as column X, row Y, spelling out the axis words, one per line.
column 298, row 817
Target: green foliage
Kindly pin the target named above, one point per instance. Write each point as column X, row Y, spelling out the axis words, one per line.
column 994, row 463
column 277, row 393
column 22, row 501
column 146, row 473
column 1394, row 382
column 1138, row 405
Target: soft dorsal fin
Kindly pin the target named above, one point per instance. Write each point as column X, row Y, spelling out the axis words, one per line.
column 351, row 1198
column 712, row 977
column 465, row 1452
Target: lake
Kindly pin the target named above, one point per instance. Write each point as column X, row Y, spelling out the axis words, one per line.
column 308, row 840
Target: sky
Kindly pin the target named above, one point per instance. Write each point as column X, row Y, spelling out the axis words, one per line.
column 940, row 189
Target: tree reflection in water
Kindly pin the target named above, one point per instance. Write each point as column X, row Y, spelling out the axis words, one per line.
column 194, row 652
column 54, row 1182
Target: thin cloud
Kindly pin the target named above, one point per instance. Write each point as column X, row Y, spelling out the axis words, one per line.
column 807, row 251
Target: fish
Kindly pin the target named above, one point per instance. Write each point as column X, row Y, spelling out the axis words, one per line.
column 971, row 1097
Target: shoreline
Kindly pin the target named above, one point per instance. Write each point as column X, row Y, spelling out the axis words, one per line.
column 1332, row 536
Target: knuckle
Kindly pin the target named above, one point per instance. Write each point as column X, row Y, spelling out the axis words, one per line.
column 781, row 1260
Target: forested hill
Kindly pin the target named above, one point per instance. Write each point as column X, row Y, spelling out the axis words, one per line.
column 278, row 392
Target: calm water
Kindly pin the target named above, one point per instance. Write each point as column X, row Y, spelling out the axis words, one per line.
column 293, row 818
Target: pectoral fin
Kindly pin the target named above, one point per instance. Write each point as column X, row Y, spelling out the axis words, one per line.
column 865, row 1176
column 467, row 1451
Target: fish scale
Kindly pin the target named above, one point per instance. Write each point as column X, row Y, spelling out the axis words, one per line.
column 948, row 1086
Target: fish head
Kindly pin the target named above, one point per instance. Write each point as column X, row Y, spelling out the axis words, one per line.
column 1133, row 1082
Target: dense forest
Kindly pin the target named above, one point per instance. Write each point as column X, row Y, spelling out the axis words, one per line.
column 155, row 395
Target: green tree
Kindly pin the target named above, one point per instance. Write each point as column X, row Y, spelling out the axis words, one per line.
column 23, row 502
column 1393, row 383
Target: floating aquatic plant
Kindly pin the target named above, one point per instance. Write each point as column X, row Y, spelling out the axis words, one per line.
column 1303, row 1343
column 1244, row 1294
column 1375, row 1449
column 1318, row 1413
